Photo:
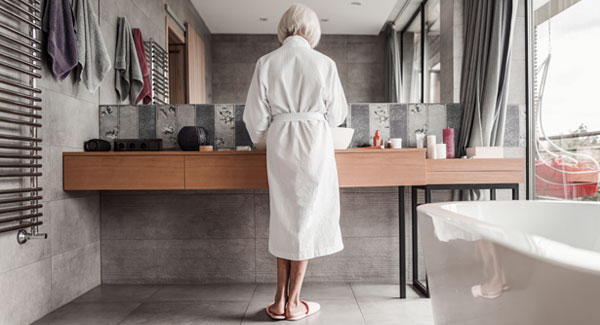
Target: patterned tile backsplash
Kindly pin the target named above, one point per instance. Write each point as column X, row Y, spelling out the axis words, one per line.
column 227, row 130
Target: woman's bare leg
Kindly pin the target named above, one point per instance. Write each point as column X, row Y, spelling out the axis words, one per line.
column 297, row 271
column 283, row 276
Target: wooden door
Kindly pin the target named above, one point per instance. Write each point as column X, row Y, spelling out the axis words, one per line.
column 196, row 69
column 177, row 75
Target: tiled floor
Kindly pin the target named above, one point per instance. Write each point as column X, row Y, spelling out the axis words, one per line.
column 341, row 303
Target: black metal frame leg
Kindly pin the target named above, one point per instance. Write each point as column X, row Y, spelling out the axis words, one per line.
column 422, row 289
column 402, row 241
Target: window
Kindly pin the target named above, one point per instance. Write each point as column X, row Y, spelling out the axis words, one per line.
column 566, row 116
column 422, row 54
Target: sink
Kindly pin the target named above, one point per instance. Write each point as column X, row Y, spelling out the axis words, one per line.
column 342, row 137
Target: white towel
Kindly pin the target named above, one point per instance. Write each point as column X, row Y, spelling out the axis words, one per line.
column 94, row 62
column 129, row 79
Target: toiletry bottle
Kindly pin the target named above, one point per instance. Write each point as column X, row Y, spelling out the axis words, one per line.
column 377, row 139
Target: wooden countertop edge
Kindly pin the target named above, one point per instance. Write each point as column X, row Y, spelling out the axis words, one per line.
column 197, row 153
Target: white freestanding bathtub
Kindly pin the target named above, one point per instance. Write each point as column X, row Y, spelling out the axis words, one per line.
column 512, row 262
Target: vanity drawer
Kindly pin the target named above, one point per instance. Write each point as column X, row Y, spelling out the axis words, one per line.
column 226, row 171
column 123, row 172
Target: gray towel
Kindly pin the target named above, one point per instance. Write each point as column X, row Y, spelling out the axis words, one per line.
column 129, row 79
column 94, row 62
column 61, row 45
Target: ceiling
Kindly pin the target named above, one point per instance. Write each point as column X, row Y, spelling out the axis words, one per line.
column 244, row 16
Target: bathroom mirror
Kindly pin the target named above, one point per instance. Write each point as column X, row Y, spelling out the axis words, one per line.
column 212, row 49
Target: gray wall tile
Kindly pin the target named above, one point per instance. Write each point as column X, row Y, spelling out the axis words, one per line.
column 399, row 122
column 205, row 117
column 166, row 126
column 109, row 122
column 147, row 121
column 359, row 60
column 436, row 120
column 417, row 122
column 224, row 126
column 199, row 216
column 360, row 123
column 186, row 116
column 74, row 223
column 242, row 138
column 74, row 273
column 379, row 119
column 29, row 286
column 128, row 122
column 178, row 261
column 363, row 259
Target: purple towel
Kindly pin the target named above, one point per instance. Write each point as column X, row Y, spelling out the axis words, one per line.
column 61, row 43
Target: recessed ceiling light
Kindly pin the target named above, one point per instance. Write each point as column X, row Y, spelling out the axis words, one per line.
column 356, row 3
column 263, row 19
column 324, row 20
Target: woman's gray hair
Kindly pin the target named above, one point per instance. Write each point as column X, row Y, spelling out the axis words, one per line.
column 300, row 20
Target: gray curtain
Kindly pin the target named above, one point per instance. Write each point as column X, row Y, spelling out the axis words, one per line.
column 488, row 31
column 392, row 65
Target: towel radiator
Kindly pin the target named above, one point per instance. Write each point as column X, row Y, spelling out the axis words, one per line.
column 20, row 119
column 159, row 72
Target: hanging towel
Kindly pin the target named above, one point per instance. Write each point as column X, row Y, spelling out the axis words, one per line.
column 59, row 26
column 129, row 80
column 94, row 62
column 146, row 93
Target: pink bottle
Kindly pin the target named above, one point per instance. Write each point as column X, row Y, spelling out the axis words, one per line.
column 449, row 141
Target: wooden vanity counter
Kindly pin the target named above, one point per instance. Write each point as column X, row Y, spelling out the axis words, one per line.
column 179, row 170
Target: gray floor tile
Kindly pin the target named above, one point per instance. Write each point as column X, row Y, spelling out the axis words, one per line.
column 310, row 291
column 163, row 313
column 204, row 292
column 379, row 305
column 89, row 313
column 332, row 312
column 118, row 292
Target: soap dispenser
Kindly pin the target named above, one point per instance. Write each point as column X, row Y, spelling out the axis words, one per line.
column 377, row 139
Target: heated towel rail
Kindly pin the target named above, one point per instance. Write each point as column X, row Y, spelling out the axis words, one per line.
column 159, row 72
column 20, row 118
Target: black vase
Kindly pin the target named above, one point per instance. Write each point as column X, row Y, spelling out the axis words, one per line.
column 190, row 138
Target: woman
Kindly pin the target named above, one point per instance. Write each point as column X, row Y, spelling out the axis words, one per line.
column 294, row 98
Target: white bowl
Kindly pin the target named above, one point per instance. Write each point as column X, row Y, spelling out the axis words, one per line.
column 342, row 137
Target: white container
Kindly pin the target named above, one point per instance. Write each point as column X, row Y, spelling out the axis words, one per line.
column 440, row 151
column 420, row 137
column 485, row 152
column 431, row 151
column 342, row 137
column 396, row 143
column 544, row 254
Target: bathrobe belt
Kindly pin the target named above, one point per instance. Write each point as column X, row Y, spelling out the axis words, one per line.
column 304, row 116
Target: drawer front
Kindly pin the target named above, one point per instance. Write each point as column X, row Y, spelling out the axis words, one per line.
column 226, row 172
column 123, row 172
column 381, row 169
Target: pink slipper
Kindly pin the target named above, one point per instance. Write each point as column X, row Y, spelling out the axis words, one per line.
column 311, row 309
column 272, row 315
column 477, row 292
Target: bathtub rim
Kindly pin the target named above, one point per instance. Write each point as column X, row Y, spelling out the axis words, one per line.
column 557, row 253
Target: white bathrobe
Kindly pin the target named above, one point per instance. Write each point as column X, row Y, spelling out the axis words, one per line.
column 296, row 95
